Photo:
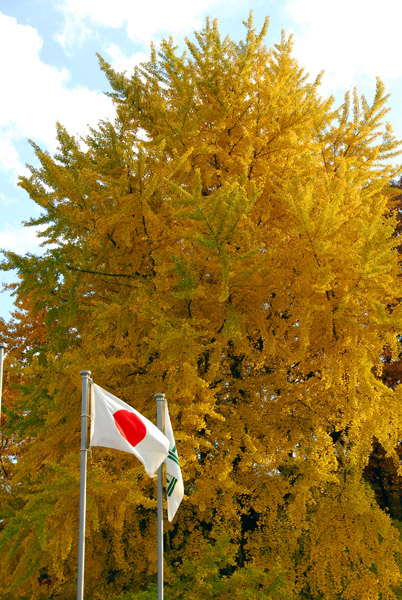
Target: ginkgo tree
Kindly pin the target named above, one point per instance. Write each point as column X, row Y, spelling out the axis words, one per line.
column 228, row 240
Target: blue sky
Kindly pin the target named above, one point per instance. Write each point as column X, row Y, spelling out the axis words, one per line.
column 49, row 69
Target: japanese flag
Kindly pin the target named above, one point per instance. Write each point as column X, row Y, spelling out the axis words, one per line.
column 115, row 424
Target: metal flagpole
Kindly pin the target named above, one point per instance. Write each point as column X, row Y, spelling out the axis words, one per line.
column 160, row 414
column 2, row 348
column 86, row 378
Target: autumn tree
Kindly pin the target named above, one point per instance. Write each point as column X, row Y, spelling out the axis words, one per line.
column 226, row 240
column 383, row 470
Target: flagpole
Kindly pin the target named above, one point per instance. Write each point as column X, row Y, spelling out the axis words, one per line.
column 160, row 399
column 86, row 378
column 2, row 348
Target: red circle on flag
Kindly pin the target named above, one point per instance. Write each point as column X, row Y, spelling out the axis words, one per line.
column 130, row 426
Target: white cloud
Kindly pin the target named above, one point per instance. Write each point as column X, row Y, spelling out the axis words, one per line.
column 38, row 95
column 350, row 39
column 6, row 200
column 10, row 161
column 122, row 63
column 75, row 32
column 20, row 239
column 143, row 20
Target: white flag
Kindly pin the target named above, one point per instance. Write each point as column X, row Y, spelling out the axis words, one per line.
column 115, row 424
column 174, row 480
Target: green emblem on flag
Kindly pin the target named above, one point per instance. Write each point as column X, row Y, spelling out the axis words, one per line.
column 173, row 456
column 171, row 485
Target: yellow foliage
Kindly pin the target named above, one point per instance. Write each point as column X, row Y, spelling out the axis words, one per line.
column 228, row 241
